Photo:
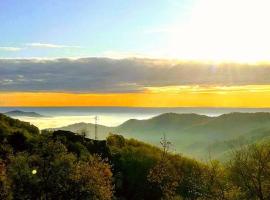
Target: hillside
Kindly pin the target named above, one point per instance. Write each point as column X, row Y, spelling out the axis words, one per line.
column 65, row 165
column 196, row 135
column 191, row 134
column 9, row 125
column 168, row 122
column 226, row 125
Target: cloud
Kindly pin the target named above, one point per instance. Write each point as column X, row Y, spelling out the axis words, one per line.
column 50, row 46
column 38, row 45
column 104, row 75
column 10, row 48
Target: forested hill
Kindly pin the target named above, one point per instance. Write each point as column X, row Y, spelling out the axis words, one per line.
column 65, row 165
column 223, row 126
column 192, row 134
column 9, row 125
column 168, row 122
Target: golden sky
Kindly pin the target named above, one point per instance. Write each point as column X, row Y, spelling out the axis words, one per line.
column 174, row 96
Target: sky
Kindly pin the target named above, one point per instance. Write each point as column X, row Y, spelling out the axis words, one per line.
column 162, row 53
column 37, row 28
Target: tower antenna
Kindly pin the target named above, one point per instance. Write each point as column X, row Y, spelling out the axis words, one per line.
column 96, row 127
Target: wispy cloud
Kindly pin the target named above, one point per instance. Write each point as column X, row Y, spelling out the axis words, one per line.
column 10, row 48
column 37, row 45
column 50, row 46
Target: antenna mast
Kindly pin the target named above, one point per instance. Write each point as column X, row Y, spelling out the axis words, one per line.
column 96, row 127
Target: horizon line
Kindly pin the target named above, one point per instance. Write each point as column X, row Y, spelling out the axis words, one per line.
column 259, row 61
column 144, row 107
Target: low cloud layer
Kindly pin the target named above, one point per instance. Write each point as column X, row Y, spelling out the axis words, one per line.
column 103, row 75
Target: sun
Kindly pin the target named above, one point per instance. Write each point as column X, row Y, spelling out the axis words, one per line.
column 231, row 30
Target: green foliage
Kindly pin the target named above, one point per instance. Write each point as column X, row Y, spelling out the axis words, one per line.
column 23, row 181
column 249, row 169
column 91, row 179
column 11, row 125
column 164, row 176
column 54, row 173
column 165, row 179
column 131, row 161
column 18, row 141
column 143, row 172
column 64, row 165
column 51, row 165
column 116, row 141
column 4, row 183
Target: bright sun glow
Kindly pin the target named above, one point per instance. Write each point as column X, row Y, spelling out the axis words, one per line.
column 222, row 30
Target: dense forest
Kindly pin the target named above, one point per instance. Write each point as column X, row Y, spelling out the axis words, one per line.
column 64, row 165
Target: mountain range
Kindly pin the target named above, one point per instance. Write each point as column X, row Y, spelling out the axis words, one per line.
column 192, row 134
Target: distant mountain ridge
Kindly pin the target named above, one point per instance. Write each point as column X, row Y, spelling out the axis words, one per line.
column 190, row 133
column 19, row 113
column 226, row 125
column 168, row 122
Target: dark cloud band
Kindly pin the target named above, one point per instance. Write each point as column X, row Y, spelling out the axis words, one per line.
column 126, row 75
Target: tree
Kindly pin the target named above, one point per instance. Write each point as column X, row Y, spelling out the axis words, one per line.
column 83, row 133
column 5, row 192
column 131, row 161
column 215, row 184
column 92, row 179
column 117, row 141
column 51, row 172
column 23, row 182
column 249, row 170
column 54, row 164
column 45, row 172
column 18, row 141
column 163, row 176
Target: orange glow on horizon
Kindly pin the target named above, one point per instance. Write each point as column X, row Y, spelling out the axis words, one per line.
column 183, row 96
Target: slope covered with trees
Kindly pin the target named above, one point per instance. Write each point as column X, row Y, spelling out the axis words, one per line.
column 64, row 165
